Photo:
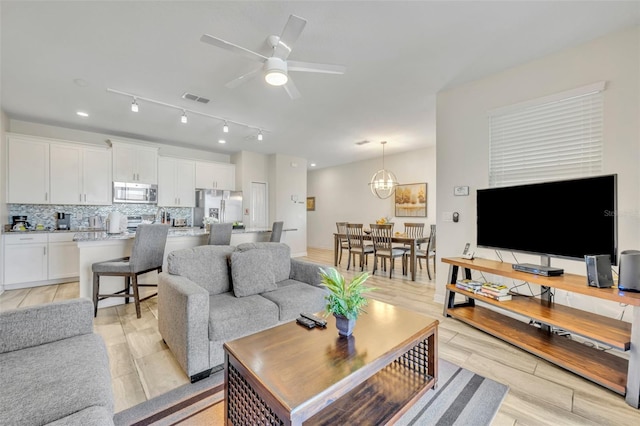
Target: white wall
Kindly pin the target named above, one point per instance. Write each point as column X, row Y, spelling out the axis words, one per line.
column 250, row 167
column 43, row 130
column 287, row 195
column 462, row 148
column 4, row 214
column 343, row 195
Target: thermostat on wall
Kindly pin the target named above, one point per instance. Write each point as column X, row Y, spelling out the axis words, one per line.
column 460, row 190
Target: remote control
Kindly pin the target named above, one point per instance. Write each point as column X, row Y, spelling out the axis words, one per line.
column 318, row 321
column 306, row 322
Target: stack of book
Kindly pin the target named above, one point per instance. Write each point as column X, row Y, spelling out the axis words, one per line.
column 495, row 291
column 469, row 285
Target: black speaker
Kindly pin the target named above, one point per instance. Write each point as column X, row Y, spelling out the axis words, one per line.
column 599, row 270
column 629, row 272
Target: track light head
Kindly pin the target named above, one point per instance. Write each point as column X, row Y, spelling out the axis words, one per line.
column 225, row 128
column 134, row 105
column 260, row 135
column 184, row 118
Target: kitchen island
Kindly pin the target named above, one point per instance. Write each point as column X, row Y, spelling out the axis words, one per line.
column 100, row 246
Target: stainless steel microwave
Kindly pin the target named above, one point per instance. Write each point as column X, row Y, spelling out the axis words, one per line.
column 140, row 193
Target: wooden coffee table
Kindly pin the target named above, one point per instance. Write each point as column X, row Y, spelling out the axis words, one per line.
column 288, row 375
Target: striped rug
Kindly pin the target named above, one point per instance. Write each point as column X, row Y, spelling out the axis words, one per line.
column 461, row 398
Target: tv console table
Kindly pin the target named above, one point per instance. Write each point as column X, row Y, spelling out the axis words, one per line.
column 606, row 369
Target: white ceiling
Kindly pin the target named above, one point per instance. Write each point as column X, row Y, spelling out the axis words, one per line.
column 398, row 56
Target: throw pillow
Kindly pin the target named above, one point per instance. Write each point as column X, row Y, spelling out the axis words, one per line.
column 251, row 272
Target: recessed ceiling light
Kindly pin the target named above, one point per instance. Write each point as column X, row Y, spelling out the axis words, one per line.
column 82, row 113
column 81, row 82
column 221, row 141
column 312, row 164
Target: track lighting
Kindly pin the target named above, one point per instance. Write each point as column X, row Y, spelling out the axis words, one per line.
column 183, row 117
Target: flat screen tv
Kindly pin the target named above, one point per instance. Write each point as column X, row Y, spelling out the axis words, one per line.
column 566, row 219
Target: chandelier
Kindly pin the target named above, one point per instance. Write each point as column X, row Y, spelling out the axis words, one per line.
column 383, row 182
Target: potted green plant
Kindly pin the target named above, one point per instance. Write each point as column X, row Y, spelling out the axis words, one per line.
column 345, row 300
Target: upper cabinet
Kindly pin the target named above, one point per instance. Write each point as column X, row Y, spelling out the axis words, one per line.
column 28, row 170
column 50, row 172
column 176, row 182
column 80, row 175
column 215, row 175
column 134, row 163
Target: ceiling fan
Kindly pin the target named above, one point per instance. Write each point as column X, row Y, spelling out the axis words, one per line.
column 276, row 67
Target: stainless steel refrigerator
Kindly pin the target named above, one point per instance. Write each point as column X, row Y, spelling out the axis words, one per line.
column 226, row 206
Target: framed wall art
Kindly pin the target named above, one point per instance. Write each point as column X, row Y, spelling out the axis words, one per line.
column 411, row 200
column 311, row 204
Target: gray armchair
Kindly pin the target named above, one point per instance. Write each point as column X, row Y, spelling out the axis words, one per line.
column 53, row 368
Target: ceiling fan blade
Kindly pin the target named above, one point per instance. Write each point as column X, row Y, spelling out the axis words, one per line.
column 243, row 78
column 312, row 67
column 290, row 34
column 223, row 44
column 292, row 90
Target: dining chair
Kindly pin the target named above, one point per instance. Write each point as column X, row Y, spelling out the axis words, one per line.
column 357, row 246
column 412, row 230
column 276, row 232
column 430, row 252
column 147, row 255
column 382, row 236
column 343, row 242
column 220, row 234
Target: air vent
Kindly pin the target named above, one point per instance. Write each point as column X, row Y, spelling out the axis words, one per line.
column 195, row 98
column 362, row 142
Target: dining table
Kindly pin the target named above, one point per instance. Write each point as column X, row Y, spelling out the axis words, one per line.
column 397, row 238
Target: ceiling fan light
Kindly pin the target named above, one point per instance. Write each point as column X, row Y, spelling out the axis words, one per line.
column 275, row 71
column 276, row 78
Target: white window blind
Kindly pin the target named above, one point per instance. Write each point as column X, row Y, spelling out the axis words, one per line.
column 552, row 138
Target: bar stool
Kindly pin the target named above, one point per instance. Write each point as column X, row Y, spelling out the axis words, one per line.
column 147, row 255
column 220, row 234
column 276, row 232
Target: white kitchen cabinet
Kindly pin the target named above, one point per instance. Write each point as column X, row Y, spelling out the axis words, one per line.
column 79, row 175
column 28, row 170
column 215, row 175
column 96, row 176
column 43, row 171
column 64, row 256
column 25, row 258
column 65, row 174
column 176, row 182
column 133, row 163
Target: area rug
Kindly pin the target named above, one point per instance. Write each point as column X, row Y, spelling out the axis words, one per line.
column 461, row 398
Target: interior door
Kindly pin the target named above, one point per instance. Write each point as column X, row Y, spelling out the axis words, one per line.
column 258, row 206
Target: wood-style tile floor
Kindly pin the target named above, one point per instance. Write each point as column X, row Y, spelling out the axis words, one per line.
column 540, row 393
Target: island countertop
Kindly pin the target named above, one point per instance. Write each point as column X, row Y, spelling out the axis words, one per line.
column 173, row 232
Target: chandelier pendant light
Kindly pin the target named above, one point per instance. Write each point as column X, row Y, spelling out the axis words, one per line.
column 383, row 183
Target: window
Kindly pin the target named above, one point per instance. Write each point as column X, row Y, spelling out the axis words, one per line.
column 552, row 138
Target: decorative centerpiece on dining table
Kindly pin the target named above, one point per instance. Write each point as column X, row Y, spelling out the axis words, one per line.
column 345, row 300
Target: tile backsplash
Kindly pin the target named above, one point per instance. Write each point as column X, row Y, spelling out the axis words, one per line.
column 45, row 214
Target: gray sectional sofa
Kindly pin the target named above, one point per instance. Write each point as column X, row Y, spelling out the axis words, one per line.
column 53, row 369
column 213, row 294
